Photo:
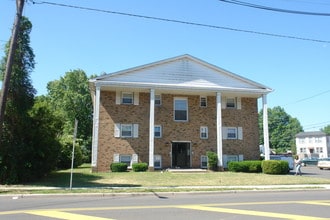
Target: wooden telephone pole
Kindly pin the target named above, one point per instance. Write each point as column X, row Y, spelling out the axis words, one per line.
column 10, row 59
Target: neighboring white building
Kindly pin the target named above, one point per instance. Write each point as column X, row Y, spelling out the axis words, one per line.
column 313, row 144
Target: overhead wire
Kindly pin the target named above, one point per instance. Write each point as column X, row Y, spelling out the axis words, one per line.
column 247, row 4
column 181, row 22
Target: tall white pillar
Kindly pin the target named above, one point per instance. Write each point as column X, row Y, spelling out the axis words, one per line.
column 265, row 126
column 151, row 128
column 96, row 114
column 219, row 130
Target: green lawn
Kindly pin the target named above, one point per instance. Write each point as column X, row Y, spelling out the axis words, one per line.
column 82, row 177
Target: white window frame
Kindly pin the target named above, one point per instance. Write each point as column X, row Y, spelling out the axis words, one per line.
column 123, row 126
column 160, row 131
column 231, row 103
column 204, row 161
column 204, row 132
column 185, row 109
column 158, row 99
column 128, row 162
column 131, row 98
column 157, row 161
column 232, row 133
column 203, row 101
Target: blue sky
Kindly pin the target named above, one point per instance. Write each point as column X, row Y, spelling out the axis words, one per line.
column 65, row 39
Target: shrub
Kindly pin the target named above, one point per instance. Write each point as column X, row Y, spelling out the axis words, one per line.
column 118, row 167
column 275, row 166
column 249, row 166
column 212, row 160
column 140, row 167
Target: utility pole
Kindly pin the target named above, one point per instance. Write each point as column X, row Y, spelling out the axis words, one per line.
column 10, row 59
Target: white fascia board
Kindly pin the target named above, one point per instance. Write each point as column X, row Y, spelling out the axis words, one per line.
column 186, row 88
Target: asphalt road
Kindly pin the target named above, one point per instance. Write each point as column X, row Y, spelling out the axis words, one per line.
column 313, row 171
column 302, row 205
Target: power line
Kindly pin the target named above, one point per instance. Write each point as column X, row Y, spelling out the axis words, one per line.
column 247, row 4
column 181, row 22
column 310, row 97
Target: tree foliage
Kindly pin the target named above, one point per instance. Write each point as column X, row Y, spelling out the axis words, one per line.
column 70, row 99
column 326, row 129
column 282, row 129
column 28, row 143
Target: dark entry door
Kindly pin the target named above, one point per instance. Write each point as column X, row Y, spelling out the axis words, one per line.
column 181, row 155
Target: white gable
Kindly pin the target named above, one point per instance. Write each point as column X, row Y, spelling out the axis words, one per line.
column 180, row 73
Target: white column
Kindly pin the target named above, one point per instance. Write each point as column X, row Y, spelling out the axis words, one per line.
column 151, row 128
column 96, row 113
column 219, row 130
column 265, row 126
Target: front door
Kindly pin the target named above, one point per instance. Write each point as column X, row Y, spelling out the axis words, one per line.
column 181, row 155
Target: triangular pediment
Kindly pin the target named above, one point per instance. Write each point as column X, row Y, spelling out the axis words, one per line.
column 182, row 72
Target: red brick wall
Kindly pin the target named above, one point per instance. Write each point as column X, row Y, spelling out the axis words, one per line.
column 110, row 113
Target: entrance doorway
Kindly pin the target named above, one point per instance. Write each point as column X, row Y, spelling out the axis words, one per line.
column 181, row 155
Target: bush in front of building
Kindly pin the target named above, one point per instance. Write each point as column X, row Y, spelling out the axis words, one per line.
column 212, row 160
column 275, row 166
column 247, row 166
column 140, row 167
column 118, row 167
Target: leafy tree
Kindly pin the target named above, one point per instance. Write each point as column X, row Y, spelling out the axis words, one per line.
column 70, row 99
column 27, row 142
column 326, row 129
column 282, row 129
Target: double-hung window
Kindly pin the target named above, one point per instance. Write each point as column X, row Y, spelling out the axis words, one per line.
column 126, row 130
column 181, row 109
column 203, row 101
column 127, row 98
column 231, row 103
column 204, row 132
column 158, row 131
column 158, row 99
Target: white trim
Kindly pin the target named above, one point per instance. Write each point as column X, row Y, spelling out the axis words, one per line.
column 265, row 127
column 117, row 130
column 135, row 130
column 151, row 128
column 96, row 116
column 219, row 129
column 136, row 98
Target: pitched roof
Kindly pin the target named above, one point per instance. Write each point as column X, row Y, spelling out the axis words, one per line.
column 181, row 72
column 311, row 134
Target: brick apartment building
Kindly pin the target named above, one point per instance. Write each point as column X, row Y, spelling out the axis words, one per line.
column 171, row 112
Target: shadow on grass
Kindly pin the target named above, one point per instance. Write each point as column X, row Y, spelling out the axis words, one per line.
column 62, row 179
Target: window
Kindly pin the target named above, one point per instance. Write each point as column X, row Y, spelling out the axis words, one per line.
column 203, row 101
column 125, row 159
column 231, row 133
column 231, row 103
column 127, row 98
column 204, row 132
column 157, row 161
column 158, row 131
column 303, row 150
column 126, row 130
column 318, row 140
column 203, row 161
column 180, row 109
column 158, row 100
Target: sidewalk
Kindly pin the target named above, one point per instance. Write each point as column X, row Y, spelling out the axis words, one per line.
column 29, row 190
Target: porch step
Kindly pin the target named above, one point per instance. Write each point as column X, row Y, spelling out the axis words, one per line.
column 187, row 170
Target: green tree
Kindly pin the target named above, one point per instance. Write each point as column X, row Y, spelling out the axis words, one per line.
column 282, row 129
column 326, row 129
column 70, row 99
column 26, row 148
